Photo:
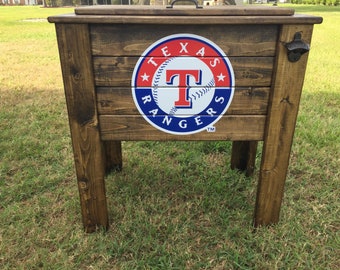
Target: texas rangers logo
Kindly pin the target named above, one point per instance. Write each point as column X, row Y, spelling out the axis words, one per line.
column 183, row 84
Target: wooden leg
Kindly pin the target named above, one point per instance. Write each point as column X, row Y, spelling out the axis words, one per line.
column 88, row 149
column 280, row 125
column 243, row 156
column 113, row 151
column 90, row 168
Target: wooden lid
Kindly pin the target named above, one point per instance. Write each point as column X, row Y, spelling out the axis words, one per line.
column 245, row 14
column 191, row 10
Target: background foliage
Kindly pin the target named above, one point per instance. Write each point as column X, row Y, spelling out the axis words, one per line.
column 317, row 2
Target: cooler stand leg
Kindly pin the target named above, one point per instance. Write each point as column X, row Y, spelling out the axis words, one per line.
column 113, row 156
column 243, row 156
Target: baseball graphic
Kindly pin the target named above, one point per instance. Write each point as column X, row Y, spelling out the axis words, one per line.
column 200, row 94
column 183, row 84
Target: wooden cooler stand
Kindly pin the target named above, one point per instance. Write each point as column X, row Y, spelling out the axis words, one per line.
column 99, row 47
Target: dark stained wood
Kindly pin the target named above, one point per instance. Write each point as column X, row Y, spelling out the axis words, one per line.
column 182, row 20
column 114, row 160
column 243, row 156
column 133, row 39
column 88, row 149
column 118, row 101
column 282, row 113
column 117, row 71
column 180, row 10
column 135, row 127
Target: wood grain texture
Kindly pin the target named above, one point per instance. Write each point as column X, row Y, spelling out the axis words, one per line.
column 282, row 113
column 119, row 101
column 184, row 10
column 89, row 156
column 243, row 156
column 132, row 40
column 114, row 159
column 185, row 20
column 135, row 127
column 117, row 71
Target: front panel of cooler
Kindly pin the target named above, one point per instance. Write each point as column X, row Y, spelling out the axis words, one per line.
column 183, row 82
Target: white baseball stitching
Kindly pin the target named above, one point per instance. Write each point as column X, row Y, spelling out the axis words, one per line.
column 197, row 94
column 201, row 92
column 193, row 96
column 157, row 78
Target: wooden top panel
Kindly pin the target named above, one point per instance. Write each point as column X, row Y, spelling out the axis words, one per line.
column 116, row 14
column 193, row 20
column 177, row 10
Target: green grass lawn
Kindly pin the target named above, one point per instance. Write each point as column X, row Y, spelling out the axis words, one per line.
column 187, row 210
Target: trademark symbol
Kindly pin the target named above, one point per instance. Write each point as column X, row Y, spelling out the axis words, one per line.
column 211, row 129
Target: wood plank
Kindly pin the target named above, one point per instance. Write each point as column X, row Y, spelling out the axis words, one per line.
column 243, row 156
column 184, row 10
column 117, row 71
column 119, row 101
column 186, row 20
column 282, row 114
column 135, row 127
column 89, row 156
column 114, row 159
column 132, row 40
